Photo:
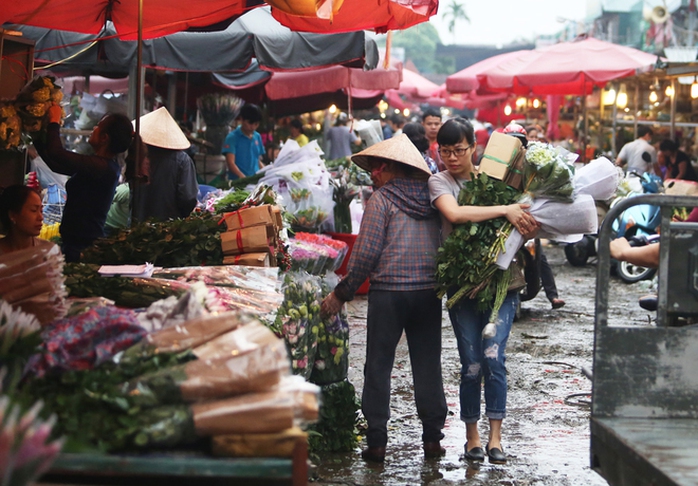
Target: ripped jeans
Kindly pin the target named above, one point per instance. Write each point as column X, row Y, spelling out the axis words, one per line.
column 482, row 357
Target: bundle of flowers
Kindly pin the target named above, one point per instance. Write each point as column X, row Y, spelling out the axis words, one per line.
column 10, row 126
column 26, row 451
column 316, row 254
column 297, row 320
column 33, row 102
column 332, row 356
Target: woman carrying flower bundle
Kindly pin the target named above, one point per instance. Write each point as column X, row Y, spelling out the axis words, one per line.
column 93, row 178
column 479, row 356
column 396, row 247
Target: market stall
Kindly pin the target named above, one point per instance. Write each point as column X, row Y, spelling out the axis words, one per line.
column 195, row 339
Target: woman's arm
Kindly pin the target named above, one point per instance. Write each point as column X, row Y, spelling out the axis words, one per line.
column 455, row 214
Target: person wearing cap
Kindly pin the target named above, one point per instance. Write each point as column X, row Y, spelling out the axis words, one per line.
column 243, row 147
column 172, row 188
column 396, row 250
column 340, row 138
column 93, row 178
column 481, row 357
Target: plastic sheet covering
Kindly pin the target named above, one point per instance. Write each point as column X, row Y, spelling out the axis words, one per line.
column 244, row 339
column 255, row 278
column 257, row 370
column 188, row 335
column 32, row 279
column 306, row 397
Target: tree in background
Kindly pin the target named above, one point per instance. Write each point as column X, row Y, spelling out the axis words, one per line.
column 419, row 43
column 455, row 11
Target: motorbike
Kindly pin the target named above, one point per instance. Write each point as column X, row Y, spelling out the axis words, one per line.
column 636, row 224
column 641, row 220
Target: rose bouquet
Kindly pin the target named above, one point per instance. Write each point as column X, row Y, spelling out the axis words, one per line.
column 298, row 318
column 332, row 356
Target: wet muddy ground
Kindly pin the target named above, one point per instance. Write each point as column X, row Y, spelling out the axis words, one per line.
column 546, row 432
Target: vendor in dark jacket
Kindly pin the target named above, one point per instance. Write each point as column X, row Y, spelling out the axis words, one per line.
column 396, row 247
column 172, row 188
column 93, row 178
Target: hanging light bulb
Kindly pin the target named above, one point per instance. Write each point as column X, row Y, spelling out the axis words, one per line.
column 609, row 97
column 382, row 106
column 622, row 98
column 694, row 89
column 507, row 110
column 653, row 96
column 406, row 112
column 669, row 91
column 333, row 109
column 536, row 103
column 521, row 102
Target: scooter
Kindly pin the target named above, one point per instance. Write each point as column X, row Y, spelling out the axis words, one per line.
column 578, row 253
column 638, row 221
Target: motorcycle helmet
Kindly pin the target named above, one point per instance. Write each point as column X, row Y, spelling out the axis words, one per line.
column 516, row 130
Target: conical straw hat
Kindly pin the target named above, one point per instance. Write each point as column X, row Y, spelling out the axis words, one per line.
column 159, row 129
column 398, row 149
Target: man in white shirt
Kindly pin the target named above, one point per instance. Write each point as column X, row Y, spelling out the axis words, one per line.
column 632, row 152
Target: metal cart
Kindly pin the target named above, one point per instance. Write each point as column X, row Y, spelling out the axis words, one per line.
column 644, row 422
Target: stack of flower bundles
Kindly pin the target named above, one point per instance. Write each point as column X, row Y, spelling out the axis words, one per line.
column 239, row 385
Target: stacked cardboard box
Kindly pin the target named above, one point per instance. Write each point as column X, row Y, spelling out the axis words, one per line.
column 503, row 159
column 252, row 236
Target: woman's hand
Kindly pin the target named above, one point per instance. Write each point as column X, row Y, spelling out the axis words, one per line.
column 331, row 305
column 517, row 215
column 55, row 113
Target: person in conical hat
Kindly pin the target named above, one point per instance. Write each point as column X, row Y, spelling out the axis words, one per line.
column 172, row 188
column 395, row 249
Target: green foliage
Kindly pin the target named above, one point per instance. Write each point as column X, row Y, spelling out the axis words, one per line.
column 192, row 241
column 419, row 43
column 455, row 12
column 466, row 260
column 336, row 431
column 91, row 411
column 231, row 201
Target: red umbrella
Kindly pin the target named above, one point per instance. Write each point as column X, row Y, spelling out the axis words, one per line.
column 160, row 17
column 567, row 68
column 349, row 15
column 466, row 80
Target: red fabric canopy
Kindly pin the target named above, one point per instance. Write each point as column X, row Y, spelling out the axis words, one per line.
column 567, row 68
column 283, row 85
column 160, row 17
column 378, row 15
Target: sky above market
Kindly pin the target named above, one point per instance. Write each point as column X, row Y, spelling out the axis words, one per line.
column 501, row 22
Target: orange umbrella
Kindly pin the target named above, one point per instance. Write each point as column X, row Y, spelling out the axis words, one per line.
column 348, row 15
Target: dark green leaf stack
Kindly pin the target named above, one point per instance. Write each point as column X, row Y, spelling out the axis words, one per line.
column 337, row 430
column 192, row 241
column 465, row 262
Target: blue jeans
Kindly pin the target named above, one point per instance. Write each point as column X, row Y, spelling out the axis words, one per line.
column 482, row 357
column 418, row 314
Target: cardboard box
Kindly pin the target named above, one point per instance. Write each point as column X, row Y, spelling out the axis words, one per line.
column 246, row 218
column 249, row 259
column 245, row 240
column 501, row 150
column 514, row 177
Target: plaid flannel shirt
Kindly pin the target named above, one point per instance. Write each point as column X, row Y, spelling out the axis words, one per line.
column 396, row 251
